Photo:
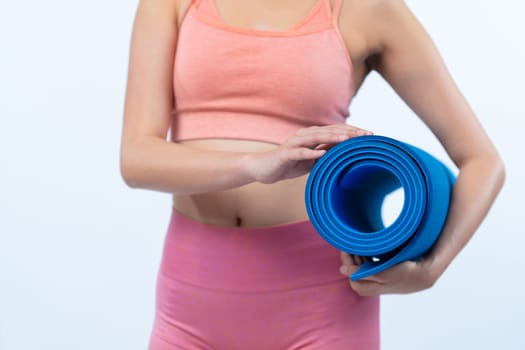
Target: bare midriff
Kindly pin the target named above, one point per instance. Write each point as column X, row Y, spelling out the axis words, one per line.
column 257, row 204
column 254, row 204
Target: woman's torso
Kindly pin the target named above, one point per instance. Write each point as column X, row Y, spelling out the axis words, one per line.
column 258, row 204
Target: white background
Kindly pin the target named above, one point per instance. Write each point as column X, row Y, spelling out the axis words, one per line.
column 80, row 250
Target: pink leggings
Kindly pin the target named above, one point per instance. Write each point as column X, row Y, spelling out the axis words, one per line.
column 271, row 288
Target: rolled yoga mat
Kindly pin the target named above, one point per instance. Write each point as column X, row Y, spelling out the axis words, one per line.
column 346, row 189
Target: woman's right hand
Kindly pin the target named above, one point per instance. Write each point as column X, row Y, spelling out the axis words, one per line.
column 297, row 154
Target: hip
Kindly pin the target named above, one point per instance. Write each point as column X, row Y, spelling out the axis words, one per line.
column 248, row 259
column 225, row 287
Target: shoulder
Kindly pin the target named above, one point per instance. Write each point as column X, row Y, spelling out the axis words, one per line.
column 395, row 24
column 376, row 9
column 381, row 22
column 172, row 10
column 380, row 8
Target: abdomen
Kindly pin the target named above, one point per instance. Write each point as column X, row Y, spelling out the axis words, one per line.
column 254, row 204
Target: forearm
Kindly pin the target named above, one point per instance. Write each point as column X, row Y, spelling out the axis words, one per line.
column 478, row 183
column 156, row 164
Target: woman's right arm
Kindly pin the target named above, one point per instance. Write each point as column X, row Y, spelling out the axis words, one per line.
column 149, row 161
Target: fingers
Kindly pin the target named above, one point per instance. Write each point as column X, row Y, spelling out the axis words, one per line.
column 312, row 143
column 354, row 259
column 364, row 287
column 305, row 153
column 332, row 127
column 314, row 136
column 358, row 260
column 325, row 146
column 351, row 263
column 318, row 137
column 346, row 259
column 406, row 277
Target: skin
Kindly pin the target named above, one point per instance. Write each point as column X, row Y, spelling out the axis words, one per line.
column 215, row 180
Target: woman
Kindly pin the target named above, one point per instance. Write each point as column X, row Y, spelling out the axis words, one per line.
column 252, row 93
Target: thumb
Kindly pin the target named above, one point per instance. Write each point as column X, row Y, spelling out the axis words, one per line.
column 348, row 269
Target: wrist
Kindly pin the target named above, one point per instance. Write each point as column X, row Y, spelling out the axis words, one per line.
column 248, row 164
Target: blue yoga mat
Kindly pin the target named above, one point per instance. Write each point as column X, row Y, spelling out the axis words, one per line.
column 345, row 192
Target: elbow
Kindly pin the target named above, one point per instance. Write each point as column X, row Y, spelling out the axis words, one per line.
column 499, row 171
column 128, row 170
column 126, row 174
column 495, row 169
column 488, row 165
column 127, row 178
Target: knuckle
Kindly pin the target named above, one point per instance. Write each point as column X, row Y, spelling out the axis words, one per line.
column 303, row 152
column 282, row 149
column 340, row 136
column 342, row 255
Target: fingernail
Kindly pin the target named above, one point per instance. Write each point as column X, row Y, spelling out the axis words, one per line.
column 343, row 270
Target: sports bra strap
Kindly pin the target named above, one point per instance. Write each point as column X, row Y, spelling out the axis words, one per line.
column 336, row 8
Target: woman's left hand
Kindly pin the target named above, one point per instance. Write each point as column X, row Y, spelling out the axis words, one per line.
column 405, row 277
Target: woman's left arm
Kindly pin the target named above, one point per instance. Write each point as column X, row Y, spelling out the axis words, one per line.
column 409, row 61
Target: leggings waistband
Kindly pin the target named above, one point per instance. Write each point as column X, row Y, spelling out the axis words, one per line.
column 247, row 259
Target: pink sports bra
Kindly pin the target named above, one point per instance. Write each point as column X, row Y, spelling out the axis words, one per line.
column 241, row 83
